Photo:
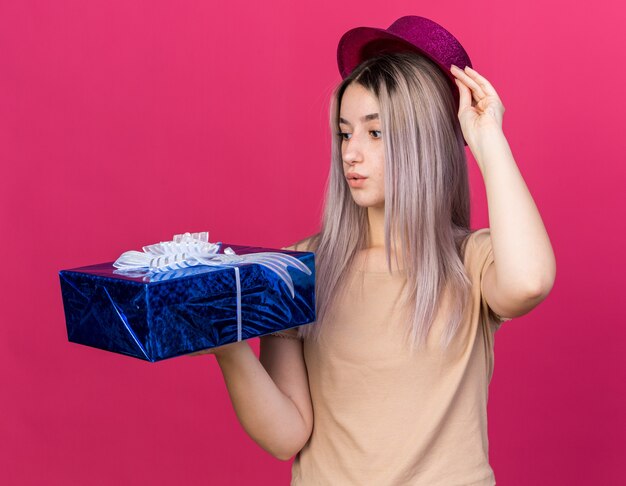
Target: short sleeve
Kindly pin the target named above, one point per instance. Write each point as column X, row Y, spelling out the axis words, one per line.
column 302, row 245
column 483, row 257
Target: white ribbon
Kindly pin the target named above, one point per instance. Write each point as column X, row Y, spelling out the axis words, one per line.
column 161, row 260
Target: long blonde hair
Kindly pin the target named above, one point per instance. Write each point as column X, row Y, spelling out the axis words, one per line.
column 427, row 197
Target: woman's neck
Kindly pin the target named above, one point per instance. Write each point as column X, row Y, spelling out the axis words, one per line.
column 376, row 219
column 375, row 254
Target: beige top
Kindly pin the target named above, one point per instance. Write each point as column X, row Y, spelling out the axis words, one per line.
column 384, row 416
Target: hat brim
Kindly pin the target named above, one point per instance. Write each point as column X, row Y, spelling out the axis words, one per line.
column 361, row 43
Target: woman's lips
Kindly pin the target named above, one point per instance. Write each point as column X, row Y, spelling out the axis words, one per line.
column 357, row 182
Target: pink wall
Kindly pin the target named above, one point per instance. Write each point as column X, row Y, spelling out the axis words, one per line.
column 124, row 122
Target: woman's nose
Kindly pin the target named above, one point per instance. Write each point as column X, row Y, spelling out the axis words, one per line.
column 352, row 152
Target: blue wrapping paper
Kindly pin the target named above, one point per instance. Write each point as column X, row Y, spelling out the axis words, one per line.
column 186, row 310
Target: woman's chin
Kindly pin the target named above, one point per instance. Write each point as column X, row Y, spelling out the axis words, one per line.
column 368, row 203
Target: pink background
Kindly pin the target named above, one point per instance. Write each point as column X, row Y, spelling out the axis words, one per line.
column 125, row 122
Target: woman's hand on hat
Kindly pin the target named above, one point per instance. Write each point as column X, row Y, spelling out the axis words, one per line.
column 484, row 115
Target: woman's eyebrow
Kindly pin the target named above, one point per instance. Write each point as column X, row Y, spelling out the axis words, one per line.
column 371, row 116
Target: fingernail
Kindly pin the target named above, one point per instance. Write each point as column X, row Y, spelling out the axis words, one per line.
column 454, row 66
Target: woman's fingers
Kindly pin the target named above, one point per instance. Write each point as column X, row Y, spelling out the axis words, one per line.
column 465, row 97
column 485, row 85
column 204, row 351
column 477, row 90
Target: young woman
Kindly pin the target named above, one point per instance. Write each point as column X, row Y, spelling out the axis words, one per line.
column 389, row 386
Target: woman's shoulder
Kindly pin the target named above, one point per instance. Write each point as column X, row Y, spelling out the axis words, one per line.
column 480, row 257
column 303, row 245
column 475, row 238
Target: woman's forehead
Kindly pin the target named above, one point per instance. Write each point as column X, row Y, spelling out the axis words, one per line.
column 358, row 105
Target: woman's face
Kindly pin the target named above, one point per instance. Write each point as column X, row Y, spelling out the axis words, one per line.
column 362, row 146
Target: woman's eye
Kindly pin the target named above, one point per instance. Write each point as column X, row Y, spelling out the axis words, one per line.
column 343, row 135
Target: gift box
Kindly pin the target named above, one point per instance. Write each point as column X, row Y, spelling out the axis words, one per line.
column 176, row 305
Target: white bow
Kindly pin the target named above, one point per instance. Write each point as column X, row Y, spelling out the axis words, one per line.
column 191, row 249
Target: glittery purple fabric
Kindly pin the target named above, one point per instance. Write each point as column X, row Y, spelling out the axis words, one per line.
column 408, row 33
column 411, row 33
